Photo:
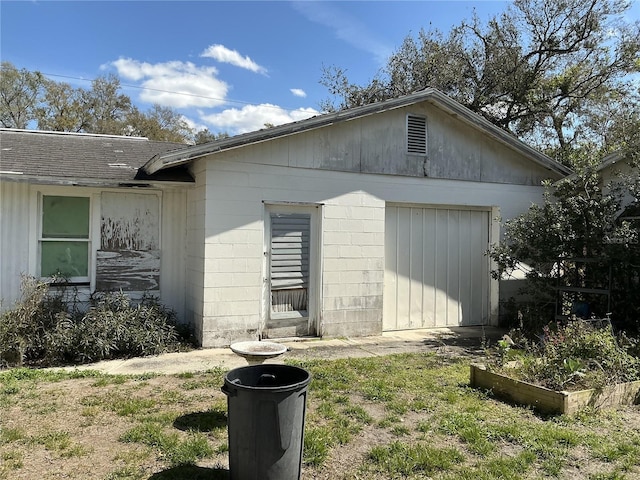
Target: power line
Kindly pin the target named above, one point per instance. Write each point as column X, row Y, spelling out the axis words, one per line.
column 241, row 102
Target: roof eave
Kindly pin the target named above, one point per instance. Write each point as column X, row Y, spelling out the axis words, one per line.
column 188, row 154
column 17, row 177
column 436, row 97
column 502, row 136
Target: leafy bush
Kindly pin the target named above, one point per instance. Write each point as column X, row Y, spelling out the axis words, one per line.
column 42, row 329
column 23, row 328
column 578, row 219
column 577, row 355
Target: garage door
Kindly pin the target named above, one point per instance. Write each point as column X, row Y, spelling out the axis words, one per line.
column 436, row 270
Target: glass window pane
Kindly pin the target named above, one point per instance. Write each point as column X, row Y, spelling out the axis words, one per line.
column 65, row 217
column 70, row 259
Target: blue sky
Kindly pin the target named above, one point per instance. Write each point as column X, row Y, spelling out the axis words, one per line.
column 226, row 66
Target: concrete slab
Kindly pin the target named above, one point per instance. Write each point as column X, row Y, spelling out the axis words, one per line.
column 453, row 341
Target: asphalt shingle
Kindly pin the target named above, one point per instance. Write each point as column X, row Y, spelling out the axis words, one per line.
column 35, row 153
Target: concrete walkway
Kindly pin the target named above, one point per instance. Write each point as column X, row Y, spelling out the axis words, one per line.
column 453, row 341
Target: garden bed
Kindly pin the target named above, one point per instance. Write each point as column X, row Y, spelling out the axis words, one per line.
column 551, row 401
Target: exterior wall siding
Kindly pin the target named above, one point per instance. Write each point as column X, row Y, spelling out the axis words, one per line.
column 377, row 144
column 194, row 284
column 173, row 256
column 18, row 239
column 352, row 240
column 14, row 249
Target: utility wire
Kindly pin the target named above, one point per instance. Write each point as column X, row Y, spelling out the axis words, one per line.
column 170, row 92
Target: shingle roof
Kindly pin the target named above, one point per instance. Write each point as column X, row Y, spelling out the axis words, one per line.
column 38, row 154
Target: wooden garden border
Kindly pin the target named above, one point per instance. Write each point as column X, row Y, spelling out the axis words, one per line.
column 551, row 401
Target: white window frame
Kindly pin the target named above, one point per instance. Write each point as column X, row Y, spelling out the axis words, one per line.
column 38, row 193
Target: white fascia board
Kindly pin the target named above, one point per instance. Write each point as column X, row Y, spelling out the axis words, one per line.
column 436, row 97
column 89, row 182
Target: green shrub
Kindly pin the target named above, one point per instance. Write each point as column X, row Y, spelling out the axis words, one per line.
column 42, row 329
column 113, row 327
column 23, row 328
column 578, row 355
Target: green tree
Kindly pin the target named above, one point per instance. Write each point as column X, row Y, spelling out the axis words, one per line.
column 107, row 108
column 205, row 136
column 19, row 95
column 160, row 123
column 540, row 70
column 62, row 108
column 27, row 97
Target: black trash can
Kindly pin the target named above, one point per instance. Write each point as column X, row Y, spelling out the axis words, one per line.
column 266, row 409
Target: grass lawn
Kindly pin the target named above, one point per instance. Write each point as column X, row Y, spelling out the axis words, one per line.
column 409, row 416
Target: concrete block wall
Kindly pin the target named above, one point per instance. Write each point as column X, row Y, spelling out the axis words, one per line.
column 240, row 188
column 351, row 251
column 233, row 257
column 194, row 285
column 353, row 265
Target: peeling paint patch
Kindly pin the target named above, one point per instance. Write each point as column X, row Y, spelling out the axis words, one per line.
column 132, row 270
column 129, row 255
column 129, row 222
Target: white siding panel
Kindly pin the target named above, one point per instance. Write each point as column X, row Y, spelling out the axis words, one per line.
column 173, row 271
column 14, row 240
column 436, row 273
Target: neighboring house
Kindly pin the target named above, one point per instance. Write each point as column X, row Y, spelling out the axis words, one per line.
column 614, row 168
column 370, row 219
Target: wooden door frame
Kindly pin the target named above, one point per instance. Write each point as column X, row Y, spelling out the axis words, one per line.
column 315, row 265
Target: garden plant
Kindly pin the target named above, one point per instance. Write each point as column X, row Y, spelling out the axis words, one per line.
column 46, row 327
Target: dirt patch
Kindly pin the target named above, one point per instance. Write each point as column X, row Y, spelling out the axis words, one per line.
column 76, row 428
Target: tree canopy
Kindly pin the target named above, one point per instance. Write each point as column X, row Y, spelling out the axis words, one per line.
column 562, row 75
column 29, row 98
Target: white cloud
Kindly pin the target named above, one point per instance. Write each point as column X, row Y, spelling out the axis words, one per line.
column 254, row 117
column 225, row 55
column 175, row 84
column 345, row 27
column 298, row 92
column 193, row 125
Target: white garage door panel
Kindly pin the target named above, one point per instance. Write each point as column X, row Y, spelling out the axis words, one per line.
column 436, row 271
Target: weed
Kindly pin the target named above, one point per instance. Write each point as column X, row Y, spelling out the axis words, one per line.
column 317, row 444
column 170, row 446
column 128, row 472
column 574, row 356
column 607, row 476
column 220, row 449
column 407, row 459
column 358, row 413
column 126, row 405
column 11, row 460
column 503, row 468
column 469, row 429
column 389, row 421
column 400, row 430
column 8, row 435
column 110, row 380
column 490, row 439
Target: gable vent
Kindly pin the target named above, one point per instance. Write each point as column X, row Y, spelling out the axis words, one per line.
column 416, row 135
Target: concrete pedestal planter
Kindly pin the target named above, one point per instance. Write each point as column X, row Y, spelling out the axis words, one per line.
column 551, row 401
